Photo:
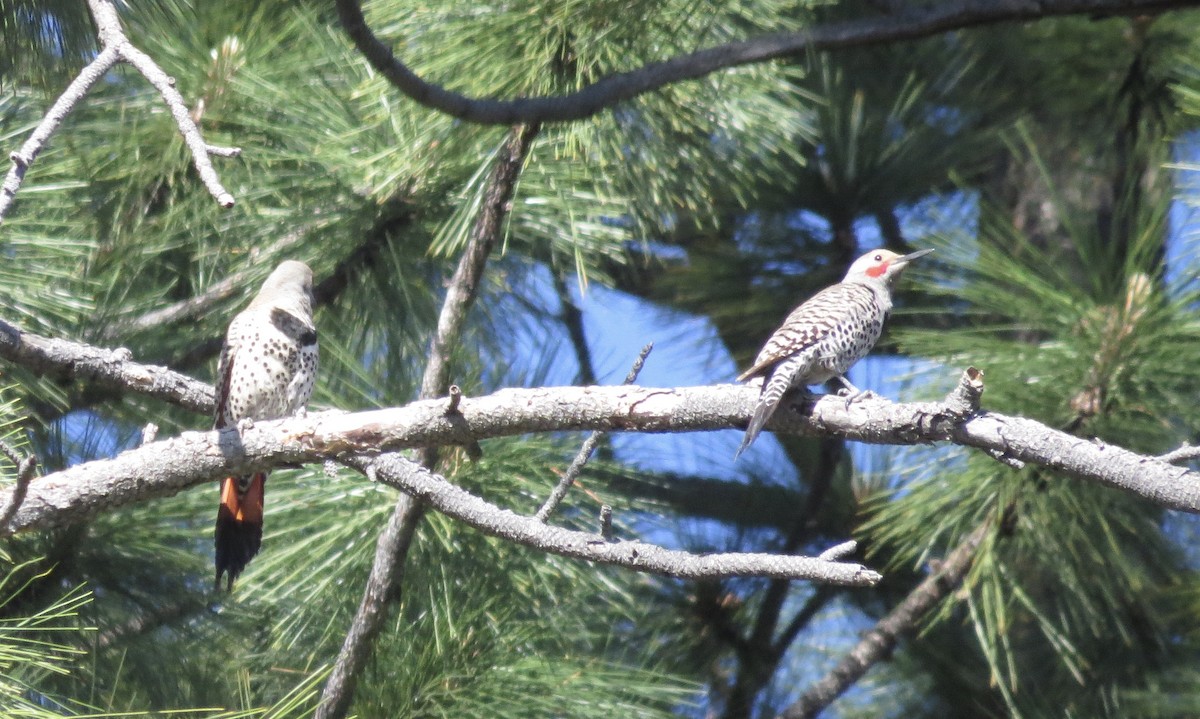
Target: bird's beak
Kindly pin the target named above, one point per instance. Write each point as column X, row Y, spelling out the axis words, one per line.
column 905, row 259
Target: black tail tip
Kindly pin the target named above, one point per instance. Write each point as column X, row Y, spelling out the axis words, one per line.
column 235, row 545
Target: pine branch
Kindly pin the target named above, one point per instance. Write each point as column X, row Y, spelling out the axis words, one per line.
column 408, row 476
column 877, row 643
column 117, row 48
column 195, row 306
column 26, row 467
column 913, row 21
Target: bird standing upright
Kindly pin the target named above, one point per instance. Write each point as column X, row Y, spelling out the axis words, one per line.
column 266, row 371
column 822, row 338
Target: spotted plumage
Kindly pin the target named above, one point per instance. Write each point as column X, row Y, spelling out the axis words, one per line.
column 822, row 338
column 266, row 371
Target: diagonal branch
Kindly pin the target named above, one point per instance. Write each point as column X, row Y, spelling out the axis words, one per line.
column 24, row 157
column 26, row 467
column 413, row 479
column 913, row 21
column 877, row 643
column 585, row 452
column 387, row 570
column 106, row 368
column 195, row 306
column 117, row 48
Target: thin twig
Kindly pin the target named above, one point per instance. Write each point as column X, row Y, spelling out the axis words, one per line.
column 880, row 640
column 26, row 467
column 917, row 20
column 79, row 87
column 585, row 452
column 393, row 544
column 232, row 284
column 1183, row 454
column 117, row 48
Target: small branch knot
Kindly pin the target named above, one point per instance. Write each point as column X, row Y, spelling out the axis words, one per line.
column 455, row 395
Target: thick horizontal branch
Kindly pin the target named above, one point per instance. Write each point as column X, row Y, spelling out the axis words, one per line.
column 916, row 21
column 166, row 467
column 163, row 468
column 108, row 368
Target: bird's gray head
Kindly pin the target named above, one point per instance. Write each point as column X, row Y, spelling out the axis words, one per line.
column 881, row 267
column 289, row 287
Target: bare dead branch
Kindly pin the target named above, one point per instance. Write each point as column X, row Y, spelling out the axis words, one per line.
column 109, row 368
column 413, row 479
column 393, row 544
column 912, row 21
column 383, row 587
column 877, row 643
column 24, row 157
column 485, row 233
column 117, row 48
column 168, row 466
column 585, row 451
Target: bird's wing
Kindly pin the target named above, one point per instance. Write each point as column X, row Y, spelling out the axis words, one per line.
column 807, row 325
column 224, row 379
column 303, row 332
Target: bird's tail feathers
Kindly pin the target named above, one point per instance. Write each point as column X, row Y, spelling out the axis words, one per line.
column 775, row 385
column 239, row 525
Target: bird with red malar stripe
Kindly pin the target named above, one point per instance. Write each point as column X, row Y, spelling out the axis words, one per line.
column 823, row 338
column 266, row 371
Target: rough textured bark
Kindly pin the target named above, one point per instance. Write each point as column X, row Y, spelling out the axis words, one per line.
column 168, row 466
column 108, row 368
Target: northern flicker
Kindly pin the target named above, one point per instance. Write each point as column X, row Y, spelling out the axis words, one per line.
column 266, row 371
column 822, row 338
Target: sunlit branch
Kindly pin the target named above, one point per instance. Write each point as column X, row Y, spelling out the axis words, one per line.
column 117, row 48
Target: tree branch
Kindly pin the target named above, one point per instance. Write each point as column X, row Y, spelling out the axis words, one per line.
column 107, row 368
column 165, row 467
column 585, row 451
column 916, row 20
column 168, row 466
column 392, row 547
column 410, row 477
column 26, row 467
column 881, row 639
column 117, row 48
column 197, row 305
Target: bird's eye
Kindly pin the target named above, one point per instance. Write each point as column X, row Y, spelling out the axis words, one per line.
column 879, row 258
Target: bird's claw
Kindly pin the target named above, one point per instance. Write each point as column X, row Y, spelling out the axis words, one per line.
column 856, row 395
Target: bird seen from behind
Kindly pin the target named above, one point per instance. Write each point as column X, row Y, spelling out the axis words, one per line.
column 266, row 371
column 822, row 338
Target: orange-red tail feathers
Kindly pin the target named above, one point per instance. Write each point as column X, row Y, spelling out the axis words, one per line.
column 239, row 524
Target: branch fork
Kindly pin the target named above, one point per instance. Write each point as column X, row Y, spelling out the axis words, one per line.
column 117, row 48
